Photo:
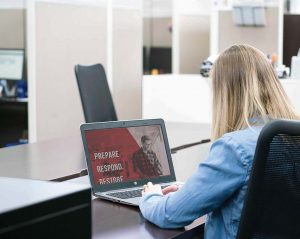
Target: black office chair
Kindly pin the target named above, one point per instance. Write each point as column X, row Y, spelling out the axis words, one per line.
column 272, row 204
column 95, row 95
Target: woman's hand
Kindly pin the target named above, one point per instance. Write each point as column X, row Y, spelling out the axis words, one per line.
column 170, row 189
column 149, row 187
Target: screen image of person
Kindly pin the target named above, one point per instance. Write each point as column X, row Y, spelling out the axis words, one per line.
column 120, row 155
column 145, row 161
column 246, row 95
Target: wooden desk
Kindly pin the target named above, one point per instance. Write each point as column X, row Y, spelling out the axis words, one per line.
column 63, row 158
column 110, row 220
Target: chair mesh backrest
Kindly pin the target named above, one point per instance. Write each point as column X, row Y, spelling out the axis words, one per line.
column 272, row 204
column 95, row 95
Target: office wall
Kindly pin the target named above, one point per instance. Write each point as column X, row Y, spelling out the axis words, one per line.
column 127, row 62
column 156, row 31
column 264, row 38
column 193, row 42
column 12, row 25
column 65, row 35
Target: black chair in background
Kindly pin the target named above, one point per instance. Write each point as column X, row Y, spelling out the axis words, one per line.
column 95, row 95
column 272, row 204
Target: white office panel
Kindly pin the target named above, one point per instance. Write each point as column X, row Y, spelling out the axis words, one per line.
column 187, row 98
column 178, row 98
column 157, row 8
column 127, row 59
column 190, row 35
column 292, row 88
column 12, row 4
column 61, row 34
column 101, row 3
column 295, row 6
column 195, row 7
column 65, row 35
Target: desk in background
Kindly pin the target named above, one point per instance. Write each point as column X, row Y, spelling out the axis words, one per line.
column 61, row 159
column 185, row 161
column 13, row 121
column 46, row 160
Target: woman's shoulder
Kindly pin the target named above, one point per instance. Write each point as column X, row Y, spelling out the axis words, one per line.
column 244, row 135
column 240, row 142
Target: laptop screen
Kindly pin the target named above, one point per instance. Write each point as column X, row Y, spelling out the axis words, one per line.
column 126, row 154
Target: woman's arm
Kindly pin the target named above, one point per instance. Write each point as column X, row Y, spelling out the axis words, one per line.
column 215, row 180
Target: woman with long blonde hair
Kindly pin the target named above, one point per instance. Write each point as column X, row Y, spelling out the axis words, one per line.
column 246, row 94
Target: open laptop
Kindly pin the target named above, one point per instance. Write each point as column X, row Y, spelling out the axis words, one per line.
column 122, row 156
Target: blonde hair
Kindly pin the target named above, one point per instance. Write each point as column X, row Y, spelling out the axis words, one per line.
column 246, row 87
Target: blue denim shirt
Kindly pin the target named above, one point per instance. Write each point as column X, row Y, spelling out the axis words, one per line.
column 217, row 188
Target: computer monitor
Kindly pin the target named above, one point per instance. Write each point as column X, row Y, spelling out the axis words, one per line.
column 11, row 64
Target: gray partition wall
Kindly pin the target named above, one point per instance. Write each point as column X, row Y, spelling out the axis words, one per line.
column 194, row 33
column 12, row 28
column 264, row 38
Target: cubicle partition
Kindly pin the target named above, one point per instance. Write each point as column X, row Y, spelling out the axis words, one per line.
column 12, row 18
column 191, row 38
column 176, row 35
column 194, row 42
column 127, row 45
column 65, row 35
column 61, row 34
column 265, row 38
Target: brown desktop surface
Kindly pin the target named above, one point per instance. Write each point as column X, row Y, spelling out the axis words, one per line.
column 113, row 220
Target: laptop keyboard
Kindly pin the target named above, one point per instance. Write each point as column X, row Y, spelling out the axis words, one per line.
column 129, row 194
